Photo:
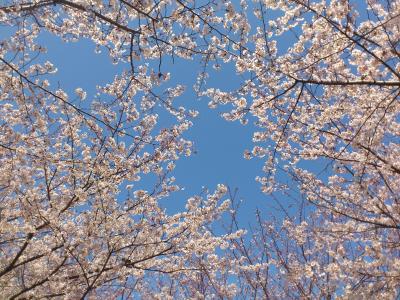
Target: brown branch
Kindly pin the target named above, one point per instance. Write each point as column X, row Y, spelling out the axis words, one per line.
column 17, row 256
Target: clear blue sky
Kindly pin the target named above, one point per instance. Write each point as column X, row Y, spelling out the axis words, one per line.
column 219, row 144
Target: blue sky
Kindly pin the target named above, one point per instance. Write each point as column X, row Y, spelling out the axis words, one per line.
column 219, row 145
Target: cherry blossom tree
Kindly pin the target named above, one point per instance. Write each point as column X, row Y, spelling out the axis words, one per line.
column 320, row 80
column 323, row 86
column 75, row 223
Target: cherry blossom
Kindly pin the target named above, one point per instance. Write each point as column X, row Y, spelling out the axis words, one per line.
column 320, row 83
